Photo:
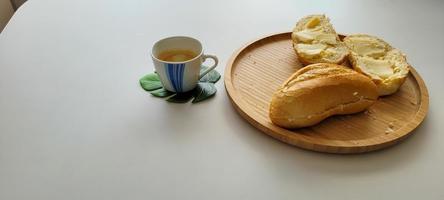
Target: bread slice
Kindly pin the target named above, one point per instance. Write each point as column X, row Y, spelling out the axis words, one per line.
column 318, row 91
column 374, row 57
column 316, row 41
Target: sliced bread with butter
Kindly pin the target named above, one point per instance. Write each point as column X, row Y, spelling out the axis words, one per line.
column 316, row 41
column 385, row 65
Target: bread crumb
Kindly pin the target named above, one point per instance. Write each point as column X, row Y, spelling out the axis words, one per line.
column 391, row 125
column 309, row 117
column 388, row 130
column 367, row 112
column 412, row 102
column 355, row 93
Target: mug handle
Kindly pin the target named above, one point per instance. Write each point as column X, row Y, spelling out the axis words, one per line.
column 216, row 61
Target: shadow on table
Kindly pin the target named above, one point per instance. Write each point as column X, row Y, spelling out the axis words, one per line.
column 286, row 157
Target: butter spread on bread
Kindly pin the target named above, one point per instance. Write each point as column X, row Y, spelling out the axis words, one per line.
column 385, row 65
column 318, row 91
column 316, row 41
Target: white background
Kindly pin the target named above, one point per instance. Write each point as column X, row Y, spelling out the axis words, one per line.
column 74, row 123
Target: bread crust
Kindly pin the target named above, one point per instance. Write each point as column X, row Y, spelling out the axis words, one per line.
column 323, row 90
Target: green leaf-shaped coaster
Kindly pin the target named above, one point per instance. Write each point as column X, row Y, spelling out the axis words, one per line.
column 213, row 76
column 181, row 97
column 150, row 82
column 205, row 89
column 161, row 93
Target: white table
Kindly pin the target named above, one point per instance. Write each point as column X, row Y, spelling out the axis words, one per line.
column 74, row 123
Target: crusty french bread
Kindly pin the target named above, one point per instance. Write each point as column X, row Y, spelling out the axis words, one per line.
column 316, row 41
column 318, row 91
column 374, row 57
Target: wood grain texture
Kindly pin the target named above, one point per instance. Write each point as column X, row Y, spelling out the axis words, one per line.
column 6, row 13
column 256, row 70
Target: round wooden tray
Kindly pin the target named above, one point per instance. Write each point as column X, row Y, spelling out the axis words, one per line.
column 256, row 70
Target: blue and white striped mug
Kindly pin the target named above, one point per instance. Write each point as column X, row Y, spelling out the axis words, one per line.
column 180, row 76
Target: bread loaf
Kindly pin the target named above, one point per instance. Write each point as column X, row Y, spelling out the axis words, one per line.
column 318, row 91
column 374, row 57
column 316, row 41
